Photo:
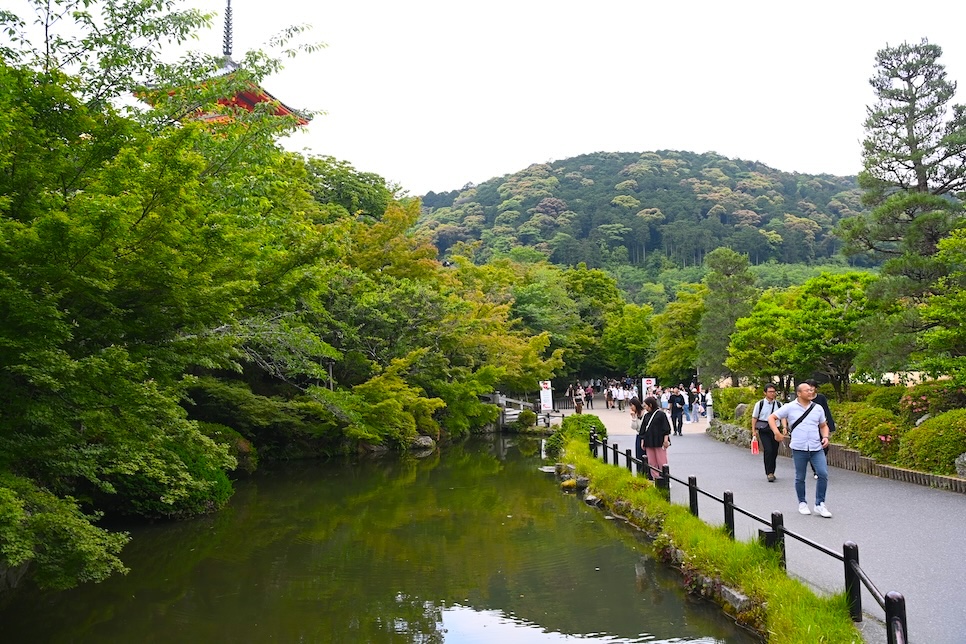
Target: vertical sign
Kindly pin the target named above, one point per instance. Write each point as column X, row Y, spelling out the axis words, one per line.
column 546, row 396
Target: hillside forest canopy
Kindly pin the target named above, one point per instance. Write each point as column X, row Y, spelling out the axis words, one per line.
column 182, row 297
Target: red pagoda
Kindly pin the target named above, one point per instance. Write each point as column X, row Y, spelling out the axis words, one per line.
column 247, row 98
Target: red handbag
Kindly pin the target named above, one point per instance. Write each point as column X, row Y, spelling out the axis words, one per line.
column 754, row 444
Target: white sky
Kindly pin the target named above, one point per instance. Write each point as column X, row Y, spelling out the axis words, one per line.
column 432, row 94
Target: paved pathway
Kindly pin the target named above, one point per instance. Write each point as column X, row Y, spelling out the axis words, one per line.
column 911, row 539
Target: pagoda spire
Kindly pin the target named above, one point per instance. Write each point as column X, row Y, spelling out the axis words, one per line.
column 226, row 50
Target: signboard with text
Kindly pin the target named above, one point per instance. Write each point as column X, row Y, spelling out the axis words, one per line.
column 546, row 396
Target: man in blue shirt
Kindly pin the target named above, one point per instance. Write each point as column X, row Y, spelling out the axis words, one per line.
column 809, row 429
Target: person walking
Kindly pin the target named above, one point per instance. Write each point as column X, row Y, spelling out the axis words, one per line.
column 656, row 435
column 708, row 405
column 621, row 397
column 578, row 393
column 637, row 412
column 809, row 430
column 676, row 402
column 589, row 396
column 768, row 440
column 820, row 399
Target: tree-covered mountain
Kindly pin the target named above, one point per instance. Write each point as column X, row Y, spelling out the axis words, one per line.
column 610, row 209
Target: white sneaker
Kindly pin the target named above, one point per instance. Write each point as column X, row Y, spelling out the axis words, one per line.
column 803, row 508
column 822, row 510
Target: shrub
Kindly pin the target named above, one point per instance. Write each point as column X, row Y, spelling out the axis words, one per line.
column 935, row 444
column 576, row 425
column 875, row 432
column 842, row 413
column 860, row 392
column 887, row 398
column 188, row 483
column 524, row 421
column 827, row 389
column 238, row 446
column 727, row 399
column 931, row 398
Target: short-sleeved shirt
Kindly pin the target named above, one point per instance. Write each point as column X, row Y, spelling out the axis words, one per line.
column 764, row 407
column 806, row 436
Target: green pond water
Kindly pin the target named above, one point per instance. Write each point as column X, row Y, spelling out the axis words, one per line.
column 471, row 545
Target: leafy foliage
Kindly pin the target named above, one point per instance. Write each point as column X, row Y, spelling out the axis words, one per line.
column 731, row 295
column 54, row 536
column 875, row 432
column 575, row 427
column 914, row 157
column 935, row 444
column 824, row 327
column 677, row 328
column 931, row 398
column 759, row 347
column 727, row 399
column 887, row 398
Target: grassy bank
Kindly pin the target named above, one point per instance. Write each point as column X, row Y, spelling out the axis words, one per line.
column 783, row 610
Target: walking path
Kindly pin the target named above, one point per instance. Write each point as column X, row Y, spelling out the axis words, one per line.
column 911, row 539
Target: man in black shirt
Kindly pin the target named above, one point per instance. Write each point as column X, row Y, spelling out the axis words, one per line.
column 676, row 402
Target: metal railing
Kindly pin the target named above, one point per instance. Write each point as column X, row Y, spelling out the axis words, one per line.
column 893, row 603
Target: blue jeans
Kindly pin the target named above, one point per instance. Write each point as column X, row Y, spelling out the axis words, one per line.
column 802, row 458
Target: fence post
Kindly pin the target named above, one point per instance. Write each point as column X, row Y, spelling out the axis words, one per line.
column 593, row 441
column 630, row 463
column 853, row 588
column 604, row 450
column 693, row 494
column 895, row 610
column 665, row 480
column 617, row 454
column 778, row 525
column 729, row 511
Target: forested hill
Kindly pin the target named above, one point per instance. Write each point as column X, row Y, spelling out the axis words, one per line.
column 609, row 209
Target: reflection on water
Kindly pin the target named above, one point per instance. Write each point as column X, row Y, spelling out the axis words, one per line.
column 474, row 545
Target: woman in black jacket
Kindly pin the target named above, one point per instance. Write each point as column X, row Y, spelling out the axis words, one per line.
column 655, row 435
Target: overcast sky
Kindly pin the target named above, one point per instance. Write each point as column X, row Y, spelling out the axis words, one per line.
column 435, row 94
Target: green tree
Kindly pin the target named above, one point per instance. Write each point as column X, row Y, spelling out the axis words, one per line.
column 359, row 193
column 759, row 346
column 628, row 339
column 823, row 330
column 944, row 342
column 132, row 253
column 915, row 157
column 676, row 328
column 597, row 297
column 914, row 144
column 731, row 295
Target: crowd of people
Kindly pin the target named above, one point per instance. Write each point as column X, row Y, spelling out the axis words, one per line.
column 690, row 403
column 660, row 413
column 657, row 417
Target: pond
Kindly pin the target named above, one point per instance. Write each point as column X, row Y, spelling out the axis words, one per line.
column 471, row 545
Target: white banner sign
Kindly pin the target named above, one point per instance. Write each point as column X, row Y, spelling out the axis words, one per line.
column 546, row 396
